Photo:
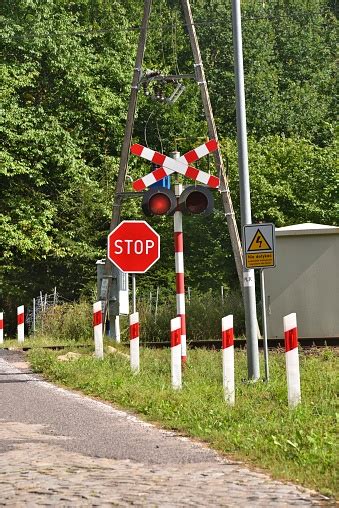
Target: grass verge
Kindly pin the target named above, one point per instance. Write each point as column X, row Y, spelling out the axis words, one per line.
column 297, row 445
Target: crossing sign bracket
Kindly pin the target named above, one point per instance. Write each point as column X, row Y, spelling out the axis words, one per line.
column 259, row 245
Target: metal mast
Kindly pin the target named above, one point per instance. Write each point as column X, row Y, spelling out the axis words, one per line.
column 245, row 198
column 224, row 189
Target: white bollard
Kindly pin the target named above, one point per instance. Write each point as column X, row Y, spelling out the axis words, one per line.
column 134, row 331
column 21, row 323
column 1, row 327
column 227, row 339
column 176, row 353
column 292, row 359
column 97, row 330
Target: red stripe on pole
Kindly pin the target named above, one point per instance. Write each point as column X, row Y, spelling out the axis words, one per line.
column 158, row 158
column 192, row 173
column 227, row 338
column 21, row 319
column 183, row 323
column 213, row 182
column 291, row 339
column 180, row 283
column 1, row 324
column 175, row 337
column 191, row 156
column 97, row 318
column 179, row 242
column 137, row 149
column 134, row 331
column 159, row 174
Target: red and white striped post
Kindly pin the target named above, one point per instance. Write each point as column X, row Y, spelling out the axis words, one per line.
column 97, row 330
column 176, row 353
column 227, row 339
column 292, row 359
column 1, row 327
column 179, row 271
column 21, row 323
column 134, row 331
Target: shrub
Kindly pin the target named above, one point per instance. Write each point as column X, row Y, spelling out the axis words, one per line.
column 69, row 321
column 204, row 312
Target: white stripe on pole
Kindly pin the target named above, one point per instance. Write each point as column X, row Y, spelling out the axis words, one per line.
column 21, row 323
column 117, row 329
column 134, row 332
column 97, row 330
column 292, row 359
column 180, row 275
column 227, row 338
column 1, row 327
column 176, row 353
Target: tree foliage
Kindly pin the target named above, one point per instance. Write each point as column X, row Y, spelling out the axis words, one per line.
column 66, row 77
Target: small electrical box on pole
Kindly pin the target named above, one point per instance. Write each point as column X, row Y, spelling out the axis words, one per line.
column 118, row 290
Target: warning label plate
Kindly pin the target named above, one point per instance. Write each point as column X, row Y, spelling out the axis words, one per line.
column 259, row 245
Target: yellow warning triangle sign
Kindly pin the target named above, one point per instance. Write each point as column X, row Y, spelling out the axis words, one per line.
column 259, row 242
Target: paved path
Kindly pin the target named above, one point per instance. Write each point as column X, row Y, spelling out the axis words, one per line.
column 58, row 448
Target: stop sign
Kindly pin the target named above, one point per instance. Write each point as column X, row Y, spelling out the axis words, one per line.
column 133, row 246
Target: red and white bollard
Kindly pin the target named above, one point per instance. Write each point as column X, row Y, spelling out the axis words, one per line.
column 227, row 338
column 1, row 327
column 97, row 330
column 179, row 270
column 134, row 331
column 21, row 323
column 176, row 353
column 292, row 359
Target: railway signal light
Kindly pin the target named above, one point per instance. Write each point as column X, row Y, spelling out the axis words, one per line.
column 159, row 201
column 195, row 200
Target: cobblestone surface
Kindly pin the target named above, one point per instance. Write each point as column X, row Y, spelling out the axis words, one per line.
column 38, row 469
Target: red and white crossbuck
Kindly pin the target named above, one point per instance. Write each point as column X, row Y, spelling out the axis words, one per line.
column 181, row 165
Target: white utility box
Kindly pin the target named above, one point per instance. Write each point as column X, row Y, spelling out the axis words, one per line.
column 305, row 280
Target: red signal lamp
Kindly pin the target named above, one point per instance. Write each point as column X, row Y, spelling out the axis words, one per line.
column 159, row 201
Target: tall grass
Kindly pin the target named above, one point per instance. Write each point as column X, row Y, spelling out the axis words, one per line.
column 204, row 312
column 73, row 321
column 66, row 322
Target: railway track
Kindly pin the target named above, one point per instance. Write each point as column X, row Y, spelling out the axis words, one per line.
column 276, row 343
column 305, row 342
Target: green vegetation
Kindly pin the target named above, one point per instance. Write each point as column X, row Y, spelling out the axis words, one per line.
column 66, row 74
column 298, row 445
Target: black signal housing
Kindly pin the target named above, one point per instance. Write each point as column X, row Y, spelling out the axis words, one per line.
column 196, row 200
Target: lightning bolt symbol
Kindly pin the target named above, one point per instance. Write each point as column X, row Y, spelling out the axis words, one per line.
column 259, row 241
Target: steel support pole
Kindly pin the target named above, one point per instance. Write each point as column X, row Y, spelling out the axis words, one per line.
column 245, row 199
column 264, row 322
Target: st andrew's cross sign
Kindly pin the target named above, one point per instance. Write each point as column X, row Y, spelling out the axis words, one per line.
column 181, row 165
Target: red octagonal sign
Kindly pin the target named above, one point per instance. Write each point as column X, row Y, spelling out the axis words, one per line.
column 133, row 246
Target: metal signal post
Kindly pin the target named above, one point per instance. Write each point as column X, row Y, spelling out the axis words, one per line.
column 224, row 188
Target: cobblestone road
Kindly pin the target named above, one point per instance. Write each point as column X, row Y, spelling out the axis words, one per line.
column 39, row 467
